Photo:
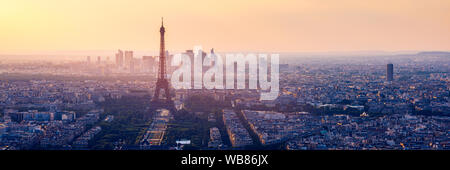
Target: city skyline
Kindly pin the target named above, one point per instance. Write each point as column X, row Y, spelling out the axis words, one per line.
column 353, row 103
column 290, row 26
column 225, row 83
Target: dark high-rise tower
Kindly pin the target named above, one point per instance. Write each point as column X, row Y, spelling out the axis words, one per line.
column 390, row 72
column 162, row 83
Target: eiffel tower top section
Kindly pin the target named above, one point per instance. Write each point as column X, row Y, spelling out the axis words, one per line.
column 162, row 53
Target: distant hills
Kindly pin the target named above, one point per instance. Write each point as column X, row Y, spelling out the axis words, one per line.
column 434, row 53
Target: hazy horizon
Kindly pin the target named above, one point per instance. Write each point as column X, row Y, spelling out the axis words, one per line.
column 287, row 57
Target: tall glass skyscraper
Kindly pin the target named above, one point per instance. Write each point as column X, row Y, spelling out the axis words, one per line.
column 390, row 72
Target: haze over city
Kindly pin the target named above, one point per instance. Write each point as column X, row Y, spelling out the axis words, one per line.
column 296, row 75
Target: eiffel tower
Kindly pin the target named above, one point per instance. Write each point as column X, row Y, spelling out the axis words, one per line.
column 162, row 83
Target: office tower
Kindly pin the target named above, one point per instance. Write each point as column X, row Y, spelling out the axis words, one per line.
column 128, row 58
column 98, row 60
column 132, row 65
column 88, row 59
column 191, row 55
column 390, row 72
column 148, row 64
column 162, row 83
column 119, row 58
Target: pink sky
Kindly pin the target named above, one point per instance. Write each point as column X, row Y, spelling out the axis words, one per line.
column 229, row 25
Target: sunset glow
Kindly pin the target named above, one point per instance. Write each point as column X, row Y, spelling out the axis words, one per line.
column 232, row 25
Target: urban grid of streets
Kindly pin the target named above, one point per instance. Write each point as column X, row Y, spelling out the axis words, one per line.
column 324, row 103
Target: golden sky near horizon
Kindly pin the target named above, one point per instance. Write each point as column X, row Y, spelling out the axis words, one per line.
column 226, row 25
